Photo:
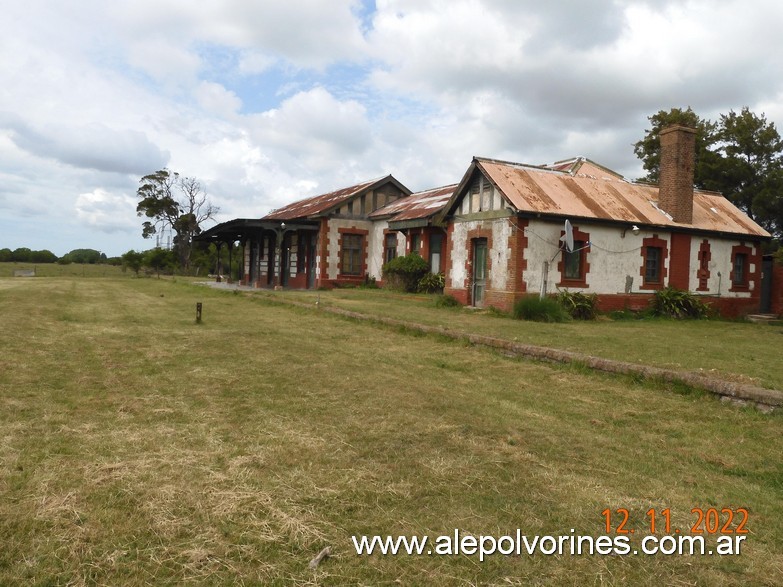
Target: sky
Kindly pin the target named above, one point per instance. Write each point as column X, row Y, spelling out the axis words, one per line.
column 269, row 101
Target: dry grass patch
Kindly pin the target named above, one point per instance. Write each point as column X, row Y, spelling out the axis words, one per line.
column 139, row 448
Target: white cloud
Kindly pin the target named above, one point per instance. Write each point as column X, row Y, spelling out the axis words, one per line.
column 91, row 147
column 107, row 212
column 316, row 129
column 215, row 99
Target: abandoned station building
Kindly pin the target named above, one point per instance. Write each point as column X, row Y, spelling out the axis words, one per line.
column 509, row 229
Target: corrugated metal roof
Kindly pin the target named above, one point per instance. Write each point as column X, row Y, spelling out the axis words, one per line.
column 320, row 204
column 544, row 190
column 418, row 205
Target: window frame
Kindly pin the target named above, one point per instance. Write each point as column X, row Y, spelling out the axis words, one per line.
column 389, row 248
column 352, row 251
column 436, row 248
column 662, row 247
column 652, row 261
column 739, row 270
column 581, row 249
column 416, row 241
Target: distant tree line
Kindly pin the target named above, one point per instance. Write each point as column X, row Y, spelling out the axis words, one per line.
column 84, row 256
column 204, row 260
column 25, row 255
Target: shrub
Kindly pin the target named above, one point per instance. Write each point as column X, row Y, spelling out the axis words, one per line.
column 579, row 305
column 405, row 272
column 446, row 301
column 533, row 307
column 678, row 303
column 432, row 283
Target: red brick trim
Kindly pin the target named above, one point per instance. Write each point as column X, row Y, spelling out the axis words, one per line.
column 322, row 272
column 703, row 271
column 680, row 261
column 517, row 264
column 654, row 241
column 584, row 266
column 743, row 249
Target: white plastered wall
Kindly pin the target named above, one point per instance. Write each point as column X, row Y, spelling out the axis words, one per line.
column 375, row 246
column 720, row 262
column 613, row 257
column 499, row 254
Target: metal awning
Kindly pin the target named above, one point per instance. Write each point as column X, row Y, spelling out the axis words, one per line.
column 241, row 228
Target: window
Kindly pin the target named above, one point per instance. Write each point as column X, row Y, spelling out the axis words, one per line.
column 351, row 254
column 480, row 197
column 415, row 243
column 652, row 265
column 652, row 270
column 390, row 247
column 739, row 271
column 436, row 248
column 743, row 267
column 572, row 266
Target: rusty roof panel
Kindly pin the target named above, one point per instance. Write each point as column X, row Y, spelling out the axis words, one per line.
column 585, row 199
column 518, row 184
column 418, row 205
column 626, row 209
column 320, row 204
column 556, row 190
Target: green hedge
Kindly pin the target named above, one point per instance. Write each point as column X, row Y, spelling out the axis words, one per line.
column 405, row 272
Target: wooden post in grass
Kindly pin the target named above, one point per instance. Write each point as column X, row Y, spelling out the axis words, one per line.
column 198, row 312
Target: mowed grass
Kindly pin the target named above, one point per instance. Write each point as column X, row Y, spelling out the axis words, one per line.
column 733, row 350
column 57, row 270
column 138, row 448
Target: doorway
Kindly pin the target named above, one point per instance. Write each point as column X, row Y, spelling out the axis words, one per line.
column 766, row 285
column 479, row 271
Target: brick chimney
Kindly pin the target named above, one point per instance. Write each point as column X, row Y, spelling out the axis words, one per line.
column 675, row 187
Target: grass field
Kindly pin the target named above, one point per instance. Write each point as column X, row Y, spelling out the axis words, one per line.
column 57, row 270
column 138, row 448
column 739, row 351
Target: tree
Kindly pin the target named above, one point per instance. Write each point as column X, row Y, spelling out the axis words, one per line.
column 739, row 156
column 21, row 255
column 158, row 259
column 132, row 260
column 87, row 256
column 649, row 148
column 752, row 170
column 177, row 203
column 44, row 256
